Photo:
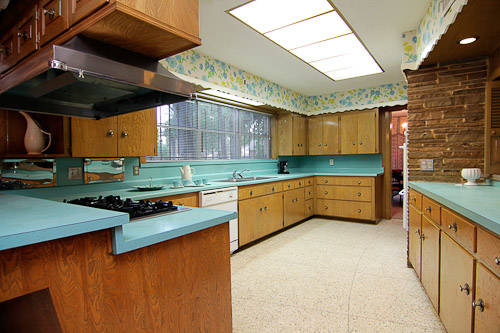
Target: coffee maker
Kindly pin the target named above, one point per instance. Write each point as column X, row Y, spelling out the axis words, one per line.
column 283, row 167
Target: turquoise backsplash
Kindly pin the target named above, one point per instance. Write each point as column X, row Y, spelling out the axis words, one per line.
column 341, row 162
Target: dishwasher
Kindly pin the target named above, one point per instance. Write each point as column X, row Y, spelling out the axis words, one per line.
column 224, row 199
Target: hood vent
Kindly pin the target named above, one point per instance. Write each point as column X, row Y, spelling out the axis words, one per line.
column 86, row 78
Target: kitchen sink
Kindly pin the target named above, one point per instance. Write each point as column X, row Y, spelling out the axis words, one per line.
column 245, row 179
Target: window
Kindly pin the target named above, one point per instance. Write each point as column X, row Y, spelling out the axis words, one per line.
column 201, row 130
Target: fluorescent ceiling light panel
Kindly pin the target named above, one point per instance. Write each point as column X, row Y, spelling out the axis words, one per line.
column 217, row 93
column 310, row 31
column 267, row 15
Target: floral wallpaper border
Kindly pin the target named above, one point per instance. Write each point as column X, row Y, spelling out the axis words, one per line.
column 419, row 43
column 209, row 72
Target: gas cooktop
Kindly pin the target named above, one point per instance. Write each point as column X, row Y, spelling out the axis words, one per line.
column 135, row 209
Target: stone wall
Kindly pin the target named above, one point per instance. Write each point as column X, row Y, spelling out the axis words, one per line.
column 446, row 105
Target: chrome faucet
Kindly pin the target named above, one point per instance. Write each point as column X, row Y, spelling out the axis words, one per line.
column 239, row 174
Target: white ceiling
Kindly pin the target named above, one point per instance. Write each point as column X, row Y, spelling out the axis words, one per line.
column 379, row 24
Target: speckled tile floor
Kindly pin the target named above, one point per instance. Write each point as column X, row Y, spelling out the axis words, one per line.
column 330, row 276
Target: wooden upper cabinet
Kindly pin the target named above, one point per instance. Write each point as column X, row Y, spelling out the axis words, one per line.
column 456, row 286
column 132, row 134
column 53, row 19
column 26, row 34
column 323, row 135
column 80, row 9
column 359, row 132
column 315, row 135
column 137, row 133
column 94, row 138
column 492, row 135
column 292, row 134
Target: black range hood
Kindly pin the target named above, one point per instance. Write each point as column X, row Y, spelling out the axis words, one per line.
column 86, row 78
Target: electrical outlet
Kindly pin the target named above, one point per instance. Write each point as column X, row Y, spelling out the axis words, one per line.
column 136, row 170
column 426, row 165
column 75, row 173
column 332, row 162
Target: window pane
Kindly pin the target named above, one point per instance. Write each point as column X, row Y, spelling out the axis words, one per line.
column 202, row 130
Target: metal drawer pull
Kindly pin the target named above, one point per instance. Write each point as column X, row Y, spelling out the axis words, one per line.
column 359, row 210
column 497, row 260
column 414, row 199
column 359, row 194
column 326, row 192
column 428, row 209
column 23, row 35
column 417, row 231
column 354, row 143
column 260, row 209
column 251, row 192
column 51, row 12
column 319, row 145
column 361, row 142
column 479, row 304
column 325, row 145
column 110, row 133
column 453, row 227
column 422, row 237
column 124, row 134
column 265, row 207
column 326, row 180
column 273, row 188
column 359, row 182
column 326, row 207
column 465, row 288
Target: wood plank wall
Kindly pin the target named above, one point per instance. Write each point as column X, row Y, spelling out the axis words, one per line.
column 446, row 105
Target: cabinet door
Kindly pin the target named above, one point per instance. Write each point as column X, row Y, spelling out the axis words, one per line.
column 331, row 144
column 53, row 19
column 315, row 135
column 456, row 275
column 367, row 132
column 94, row 138
column 187, row 199
column 414, row 241
column 285, row 135
column 299, row 137
column 273, row 212
column 8, row 57
column 79, row 9
column 26, row 34
column 430, row 260
column 348, row 133
column 294, row 206
column 248, row 216
column 487, row 319
column 137, row 133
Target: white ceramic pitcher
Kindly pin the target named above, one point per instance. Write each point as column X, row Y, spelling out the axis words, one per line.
column 34, row 140
column 186, row 173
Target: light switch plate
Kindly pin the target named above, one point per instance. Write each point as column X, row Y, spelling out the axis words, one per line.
column 136, row 170
column 426, row 165
column 332, row 162
column 75, row 173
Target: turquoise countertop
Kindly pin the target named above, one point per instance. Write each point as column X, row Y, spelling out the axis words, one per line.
column 127, row 191
column 25, row 220
column 142, row 233
column 480, row 204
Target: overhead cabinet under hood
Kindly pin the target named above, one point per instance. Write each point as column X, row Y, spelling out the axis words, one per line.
column 90, row 79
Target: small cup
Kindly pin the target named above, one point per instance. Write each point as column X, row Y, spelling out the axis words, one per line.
column 204, row 180
column 198, row 182
column 176, row 183
column 186, row 182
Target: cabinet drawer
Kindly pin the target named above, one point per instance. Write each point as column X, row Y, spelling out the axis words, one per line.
column 8, row 57
column 53, row 19
column 309, row 207
column 431, row 209
column 344, row 193
column 488, row 249
column 26, row 34
column 291, row 184
column 309, row 192
column 187, row 199
column 349, row 181
column 347, row 209
column 252, row 191
column 415, row 199
column 309, row 181
column 459, row 228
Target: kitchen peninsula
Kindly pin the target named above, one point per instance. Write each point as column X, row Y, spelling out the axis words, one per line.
column 91, row 270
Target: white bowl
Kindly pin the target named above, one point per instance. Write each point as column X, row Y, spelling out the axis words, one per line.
column 471, row 175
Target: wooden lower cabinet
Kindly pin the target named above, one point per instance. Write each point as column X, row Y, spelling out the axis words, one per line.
column 414, row 240
column 259, row 217
column 187, row 199
column 294, row 206
column 346, row 209
column 430, row 260
column 487, row 301
column 456, row 286
column 309, row 208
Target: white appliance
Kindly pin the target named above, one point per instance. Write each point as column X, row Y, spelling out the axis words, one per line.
column 223, row 199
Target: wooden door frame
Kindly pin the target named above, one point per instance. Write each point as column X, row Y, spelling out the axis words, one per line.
column 385, row 120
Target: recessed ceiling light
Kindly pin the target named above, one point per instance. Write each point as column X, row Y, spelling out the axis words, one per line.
column 217, row 93
column 312, row 30
column 468, row 40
